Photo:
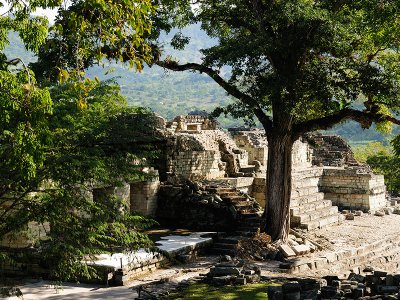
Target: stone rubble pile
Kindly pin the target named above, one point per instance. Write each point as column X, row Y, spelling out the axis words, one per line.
column 297, row 246
column 374, row 284
column 230, row 271
column 205, row 205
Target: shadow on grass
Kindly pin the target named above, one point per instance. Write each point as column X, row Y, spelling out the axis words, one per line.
column 203, row 291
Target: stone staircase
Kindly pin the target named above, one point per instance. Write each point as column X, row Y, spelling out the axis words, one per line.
column 383, row 254
column 248, row 219
column 308, row 208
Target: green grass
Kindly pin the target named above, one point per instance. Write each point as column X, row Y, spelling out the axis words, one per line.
column 203, row 291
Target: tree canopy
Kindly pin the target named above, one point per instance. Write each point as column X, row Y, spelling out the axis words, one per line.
column 63, row 138
column 298, row 66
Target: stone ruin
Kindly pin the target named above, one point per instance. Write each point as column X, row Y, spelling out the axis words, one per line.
column 325, row 174
column 210, row 179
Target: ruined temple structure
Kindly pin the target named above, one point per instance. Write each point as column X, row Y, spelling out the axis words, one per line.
column 212, row 179
column 325, row 175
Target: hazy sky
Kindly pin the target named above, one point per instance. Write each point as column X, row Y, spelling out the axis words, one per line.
column 50, row 13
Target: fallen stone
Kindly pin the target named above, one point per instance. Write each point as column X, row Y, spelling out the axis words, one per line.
column 286, row 250
column 222, row 280
column 359, row 292
column 356, row 277
column 337, row 284
column 396, row 211
column 358, row 213
column 350, row 216
column 378, row 273
column 291, row 287
column 240, row 280
column 275, row 292
column 217, row 271
column 292, row 296
column 301, row 249
column 328, row 292
column 389, row 280
column 388, row 210
column 388, row 289
column 252, row 278
column 226, row 258
column 368, row 269
column 379, row 213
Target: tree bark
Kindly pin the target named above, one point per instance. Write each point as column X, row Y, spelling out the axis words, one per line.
column 278, row 185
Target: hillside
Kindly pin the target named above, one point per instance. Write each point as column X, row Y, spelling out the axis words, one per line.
column 172, row 94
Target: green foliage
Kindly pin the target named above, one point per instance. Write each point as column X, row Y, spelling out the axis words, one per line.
column 364, row 152
column 60, row 143
column 87, row 32
column 91, row 147
column 383, row 161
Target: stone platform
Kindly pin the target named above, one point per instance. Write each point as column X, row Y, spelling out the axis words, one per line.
column 368, row 240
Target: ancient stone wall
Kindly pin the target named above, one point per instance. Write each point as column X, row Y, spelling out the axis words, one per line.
column 183, row 206
column 207, row 154
column 352, row 190
column 330, row 150
column 255, row 143
column 143, row 195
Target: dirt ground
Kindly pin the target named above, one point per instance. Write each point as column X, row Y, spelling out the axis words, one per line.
column 364, row 230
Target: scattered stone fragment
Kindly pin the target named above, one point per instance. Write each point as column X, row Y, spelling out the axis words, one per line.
column 349, row 216
column 396, row 211
column 368, row 269
column 301, row 249
column 378, row 273
column 286, row 250
column 379, row 213
column 358, row 213
column 388, row 210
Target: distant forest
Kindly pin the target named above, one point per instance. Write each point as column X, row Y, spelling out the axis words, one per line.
column 171, row 94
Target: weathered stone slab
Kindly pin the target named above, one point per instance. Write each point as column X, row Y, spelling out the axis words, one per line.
column 301, row 249
column 286, row 250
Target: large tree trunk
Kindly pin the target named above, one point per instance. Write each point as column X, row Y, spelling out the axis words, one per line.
column 278, row 185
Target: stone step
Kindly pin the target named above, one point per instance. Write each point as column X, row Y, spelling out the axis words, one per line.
column 230, row 240
column 248, row 169
column 249, row 215
column 234, row 198
column 305, row 182
column 222, row 251
column 314, row 215
column 228, row 194
column 251, row 223
column 379, row 254
column 248, row 229
column 322, row 222
column 246, row 233
column 221, row 190
column 306, row 199
column 229, row 246
column 304, row 191
column 243, row 203
column 309, row 207
column 245, row 210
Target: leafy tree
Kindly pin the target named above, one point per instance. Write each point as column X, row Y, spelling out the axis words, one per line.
column 297, row 66
column 59, row 143
column 87, row 32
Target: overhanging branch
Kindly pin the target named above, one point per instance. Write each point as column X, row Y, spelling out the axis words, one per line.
column 229, row 88
column 365, row 118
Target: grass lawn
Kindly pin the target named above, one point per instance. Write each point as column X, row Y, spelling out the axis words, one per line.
column 256, row 291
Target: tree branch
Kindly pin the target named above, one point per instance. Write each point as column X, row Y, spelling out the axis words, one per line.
column 229, row 88
column 365, row 118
